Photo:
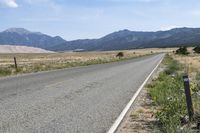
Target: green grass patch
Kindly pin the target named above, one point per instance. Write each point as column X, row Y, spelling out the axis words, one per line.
column 167, row 92
column 198, row 79
column 5, row 72
column 196, row 97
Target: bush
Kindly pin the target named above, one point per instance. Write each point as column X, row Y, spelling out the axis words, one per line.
column 120, row 54
column 197, row 49
column 182, row 50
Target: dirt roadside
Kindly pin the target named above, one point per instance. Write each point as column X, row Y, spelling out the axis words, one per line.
column 140, row 118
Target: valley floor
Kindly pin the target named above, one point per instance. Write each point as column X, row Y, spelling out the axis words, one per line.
column 36, row 62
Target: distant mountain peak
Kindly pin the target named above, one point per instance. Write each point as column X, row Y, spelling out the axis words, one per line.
column 125, row 30
column 17, row 30
column 23, row 37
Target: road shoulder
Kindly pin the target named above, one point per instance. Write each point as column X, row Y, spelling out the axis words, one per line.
column 140, row 117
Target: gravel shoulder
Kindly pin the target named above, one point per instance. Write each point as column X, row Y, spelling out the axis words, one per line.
column 140, row 118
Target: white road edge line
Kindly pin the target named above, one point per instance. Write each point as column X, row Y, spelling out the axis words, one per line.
column 123, row 113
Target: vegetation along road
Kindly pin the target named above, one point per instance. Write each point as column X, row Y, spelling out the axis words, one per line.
column 85, row 99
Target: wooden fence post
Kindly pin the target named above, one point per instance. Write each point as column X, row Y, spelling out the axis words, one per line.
column 188, row 97
column 15, row 61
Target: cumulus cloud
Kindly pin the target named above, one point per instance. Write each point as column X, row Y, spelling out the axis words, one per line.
column 9, row 3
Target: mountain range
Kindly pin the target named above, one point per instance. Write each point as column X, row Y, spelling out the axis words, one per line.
column 23, row 37
column 120, row 40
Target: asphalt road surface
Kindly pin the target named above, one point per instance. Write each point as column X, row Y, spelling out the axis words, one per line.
column 77, row 100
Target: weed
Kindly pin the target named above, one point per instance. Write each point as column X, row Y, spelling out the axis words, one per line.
column 167, row 93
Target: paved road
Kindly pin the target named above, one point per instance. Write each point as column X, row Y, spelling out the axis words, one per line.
column 77, row 100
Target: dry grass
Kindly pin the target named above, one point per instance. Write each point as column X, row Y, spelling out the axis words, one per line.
column 191, row 65
column 49, row 61
column 7, row 59
column 190, row 62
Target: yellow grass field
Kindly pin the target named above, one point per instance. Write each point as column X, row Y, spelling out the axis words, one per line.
column 191, row 64
column 24, row 59
column 49, row 61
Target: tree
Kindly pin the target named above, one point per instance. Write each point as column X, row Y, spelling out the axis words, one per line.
column 120, row 54
column 182, row 50
column 197, row 49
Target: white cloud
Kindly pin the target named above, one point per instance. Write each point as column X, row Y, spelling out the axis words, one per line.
column 169, row 27
column 8, row 3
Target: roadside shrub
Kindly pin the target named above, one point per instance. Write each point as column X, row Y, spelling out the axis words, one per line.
column 197, row 49
column 120, row 55
column 182, row 51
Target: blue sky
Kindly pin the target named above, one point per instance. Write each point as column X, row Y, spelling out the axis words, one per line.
column 80, row 19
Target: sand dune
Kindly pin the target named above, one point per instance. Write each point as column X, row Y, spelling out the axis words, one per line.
column 21, row 49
